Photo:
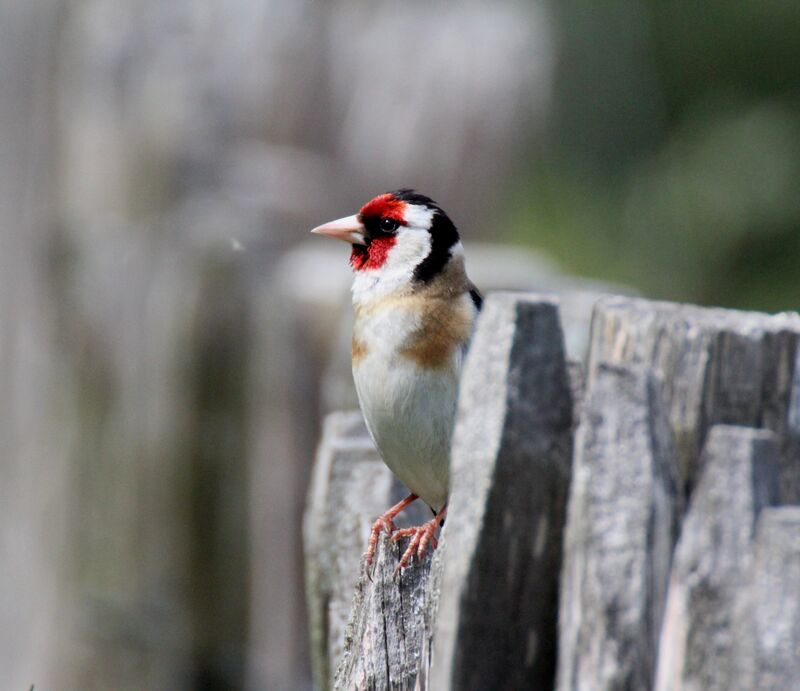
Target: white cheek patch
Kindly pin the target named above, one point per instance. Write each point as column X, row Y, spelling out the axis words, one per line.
column 418, row 216
column 412, row 246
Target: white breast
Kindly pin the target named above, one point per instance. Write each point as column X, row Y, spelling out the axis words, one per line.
column 409, row 409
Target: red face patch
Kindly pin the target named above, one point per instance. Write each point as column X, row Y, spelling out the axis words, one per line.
column 372, row 256
column 383, row 206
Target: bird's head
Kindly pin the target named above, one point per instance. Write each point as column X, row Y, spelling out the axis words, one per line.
column 400, row 240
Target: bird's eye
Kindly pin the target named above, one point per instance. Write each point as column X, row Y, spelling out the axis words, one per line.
column 389, row 225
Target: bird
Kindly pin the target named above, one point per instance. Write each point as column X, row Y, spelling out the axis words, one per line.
column 414, row 314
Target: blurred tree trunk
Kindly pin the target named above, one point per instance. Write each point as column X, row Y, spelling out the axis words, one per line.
column 35, row 425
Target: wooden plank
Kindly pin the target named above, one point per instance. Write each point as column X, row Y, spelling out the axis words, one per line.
column 350, row 487
column 768, row 630
column 383, row 639
column 334, row 528
column 717, row 367
column 482, row 613
column 496, row 623
column 621, row 528
column 739, row 477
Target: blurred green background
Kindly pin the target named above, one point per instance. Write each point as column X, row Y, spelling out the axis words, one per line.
column 673, row 161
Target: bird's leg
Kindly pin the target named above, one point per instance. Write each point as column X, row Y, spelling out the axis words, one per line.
column 386, row 523
column 422, row 536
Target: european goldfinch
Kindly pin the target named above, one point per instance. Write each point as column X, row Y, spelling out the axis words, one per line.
column 414, row 314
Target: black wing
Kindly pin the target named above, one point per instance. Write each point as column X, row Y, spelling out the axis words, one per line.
column 477, row 298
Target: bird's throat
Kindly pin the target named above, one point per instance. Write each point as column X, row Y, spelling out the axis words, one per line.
column 373, row 255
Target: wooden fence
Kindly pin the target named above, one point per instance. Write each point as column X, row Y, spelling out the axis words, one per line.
column 630, row 524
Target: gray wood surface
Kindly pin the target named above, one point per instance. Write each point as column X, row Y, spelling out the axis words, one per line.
column 717, row 367
column 717, row 610
column 347, row 463
column 350, row 487
column 496, row 623
column 768, row 628
column 383, row 640
column 621, row 528
column 739, row 477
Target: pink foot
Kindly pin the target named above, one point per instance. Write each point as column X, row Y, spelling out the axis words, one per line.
column 422, row 536
column 386, row 524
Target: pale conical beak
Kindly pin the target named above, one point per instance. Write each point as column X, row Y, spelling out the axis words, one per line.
column 348, row 229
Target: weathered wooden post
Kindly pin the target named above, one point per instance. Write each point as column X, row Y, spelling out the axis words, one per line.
column 767, row 645
column 717, row 367
column 347, row 463
column 383, row 640
column 623, row 515
column 717, row 611
column 496, row 622
column 739, row 477
column 350, row 486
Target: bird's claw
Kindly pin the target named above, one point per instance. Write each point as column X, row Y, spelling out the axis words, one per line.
column 385, row 524
column 421, row 537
